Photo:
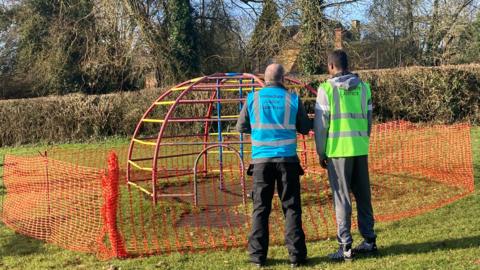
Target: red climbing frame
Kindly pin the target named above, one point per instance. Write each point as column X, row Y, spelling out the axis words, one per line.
column 213, row 87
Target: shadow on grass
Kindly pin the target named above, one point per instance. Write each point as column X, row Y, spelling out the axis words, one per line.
column 14, row 244
column 425, row 247
column 476, row 175
column 312, row 261
column 393, row 250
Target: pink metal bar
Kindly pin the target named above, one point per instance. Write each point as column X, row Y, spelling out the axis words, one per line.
column 226, row 77
column 211, row 85
column 171, row 137
column 167, row 156
column 242, row 172
column 175, row 195
column 205, row 130
column 199, row 119
column 307, row 86
column 204, row 143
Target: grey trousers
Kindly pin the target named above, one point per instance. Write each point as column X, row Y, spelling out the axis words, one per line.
column 345, row 175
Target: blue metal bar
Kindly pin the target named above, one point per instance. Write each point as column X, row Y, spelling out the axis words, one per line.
column 220, row 136
column 239, row 110
column 233, row 74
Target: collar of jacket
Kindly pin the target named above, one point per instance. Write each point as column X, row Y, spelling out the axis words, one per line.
column 343, row 73
column 275, row 84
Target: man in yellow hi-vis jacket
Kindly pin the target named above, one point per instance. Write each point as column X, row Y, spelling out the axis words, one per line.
column 343, row 121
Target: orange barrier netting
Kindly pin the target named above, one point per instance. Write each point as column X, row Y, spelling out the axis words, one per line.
column 80, row 201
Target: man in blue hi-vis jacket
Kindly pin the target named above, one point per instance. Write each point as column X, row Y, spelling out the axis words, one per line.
column 272, row 116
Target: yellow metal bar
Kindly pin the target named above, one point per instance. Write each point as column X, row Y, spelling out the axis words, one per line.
column 309, row 98
column 226, row 152
column 148, row 120
column 224, row 170
column 227, row 117
column 224, row 133
column 180, row 88
column 196, row 79
column 165, row 103
column 144, row 142
column 139, row 167
column 140, row 187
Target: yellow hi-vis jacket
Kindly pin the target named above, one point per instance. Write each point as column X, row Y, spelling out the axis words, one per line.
column 343, row 117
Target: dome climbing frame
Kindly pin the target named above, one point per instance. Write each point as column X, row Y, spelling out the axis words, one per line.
column 190, row 122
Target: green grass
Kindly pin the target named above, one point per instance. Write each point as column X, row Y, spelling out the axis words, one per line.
column 447, row 238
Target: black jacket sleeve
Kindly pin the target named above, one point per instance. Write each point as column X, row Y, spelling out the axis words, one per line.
column 243, row 122
column 304, row 124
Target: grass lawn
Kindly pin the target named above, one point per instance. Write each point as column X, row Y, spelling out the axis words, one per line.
column 447, row 238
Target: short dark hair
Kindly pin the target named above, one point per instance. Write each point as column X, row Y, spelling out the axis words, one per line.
column 339, row 59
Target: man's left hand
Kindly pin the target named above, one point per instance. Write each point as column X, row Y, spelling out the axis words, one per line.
column 323, row 163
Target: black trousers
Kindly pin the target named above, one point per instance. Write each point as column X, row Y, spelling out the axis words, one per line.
column 287, row 177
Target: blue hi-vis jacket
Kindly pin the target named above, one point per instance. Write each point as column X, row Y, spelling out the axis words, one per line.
column 272, row 112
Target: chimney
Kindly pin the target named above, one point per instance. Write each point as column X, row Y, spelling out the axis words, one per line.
column 356, row 29
column 355, row 25
column 338, row 38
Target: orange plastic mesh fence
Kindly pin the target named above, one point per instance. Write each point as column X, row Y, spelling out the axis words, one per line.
column 80, row 200
column 110, row 184
column 52, row 200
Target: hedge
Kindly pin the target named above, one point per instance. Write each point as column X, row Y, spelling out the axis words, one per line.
column 75, row 117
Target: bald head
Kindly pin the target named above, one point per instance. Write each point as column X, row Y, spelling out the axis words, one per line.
column 274, row 73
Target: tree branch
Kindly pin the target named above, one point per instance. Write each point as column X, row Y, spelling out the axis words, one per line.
column 339, row 3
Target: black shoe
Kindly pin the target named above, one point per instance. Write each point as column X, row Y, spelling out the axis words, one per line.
column 298, row 263
column 344, row 253
column 366, row 248
column 258, row 264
